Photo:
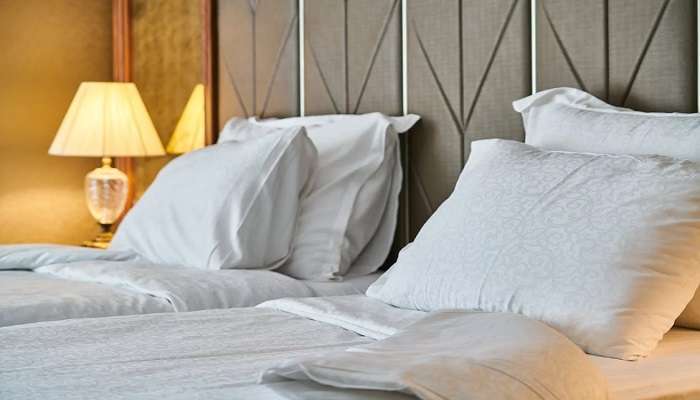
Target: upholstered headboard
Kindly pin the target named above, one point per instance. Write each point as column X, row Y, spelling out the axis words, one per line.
column 457, row 63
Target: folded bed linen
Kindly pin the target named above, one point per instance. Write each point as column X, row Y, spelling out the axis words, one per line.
column 93, row 285
column 224, row 354
column 27, row 296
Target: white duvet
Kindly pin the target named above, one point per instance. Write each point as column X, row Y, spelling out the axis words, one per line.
column 458, row 355
column 223, row 354
column 44, row 283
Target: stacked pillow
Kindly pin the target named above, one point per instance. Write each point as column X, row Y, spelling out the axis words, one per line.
column 591, row 227
column 347, row 223
column 572, row 120
column 314, row 197
column 604, row 248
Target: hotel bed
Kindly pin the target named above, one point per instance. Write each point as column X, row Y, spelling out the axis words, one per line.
column 297, row 214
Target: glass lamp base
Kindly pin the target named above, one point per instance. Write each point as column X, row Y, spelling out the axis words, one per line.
column 106, row 192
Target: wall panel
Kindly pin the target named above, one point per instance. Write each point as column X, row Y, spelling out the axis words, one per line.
column 634, row 53
column 257, row 48
column 653, row 53
column 352, row 56
column 571, row 45
column 467, row 61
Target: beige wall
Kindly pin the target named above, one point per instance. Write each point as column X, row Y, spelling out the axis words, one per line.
column 47, row 47
column 167, row 64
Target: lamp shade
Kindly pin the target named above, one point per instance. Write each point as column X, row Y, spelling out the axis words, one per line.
column 189, row 132
column 107, row 119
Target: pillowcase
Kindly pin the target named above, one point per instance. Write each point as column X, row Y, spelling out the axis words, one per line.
column 572, row 120
column 232, row 205
column 601, row 247
column 347, row 223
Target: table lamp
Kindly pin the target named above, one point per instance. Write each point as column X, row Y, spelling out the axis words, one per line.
column 106, row 119
column 189, row 131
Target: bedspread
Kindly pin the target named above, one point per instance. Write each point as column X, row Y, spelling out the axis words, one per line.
column 221, row 354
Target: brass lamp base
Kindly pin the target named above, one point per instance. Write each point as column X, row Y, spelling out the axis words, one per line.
column 102, row 240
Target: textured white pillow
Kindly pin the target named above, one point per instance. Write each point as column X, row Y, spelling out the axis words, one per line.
column 601, row 247
column 572, row 120
column 347, row 223
column 233, row 205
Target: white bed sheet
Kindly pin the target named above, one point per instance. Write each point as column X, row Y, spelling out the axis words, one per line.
column 108, row 288
column 27, row 297
column 221, row 354
column 210, row 354
column 671, row 372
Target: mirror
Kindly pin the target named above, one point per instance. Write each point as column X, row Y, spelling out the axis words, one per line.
column 166, row 64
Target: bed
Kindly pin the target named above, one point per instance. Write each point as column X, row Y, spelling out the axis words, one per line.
column 297, row 213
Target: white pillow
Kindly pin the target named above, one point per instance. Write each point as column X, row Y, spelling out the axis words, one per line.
column 601, row 247
column 347, row 223
column 233, row 205
column 572, row 120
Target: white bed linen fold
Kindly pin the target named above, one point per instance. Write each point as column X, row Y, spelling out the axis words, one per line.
column 459, row 355
column 33, row 256
column 27, row 297
column 187, row 289
column 47, row 283
column 361, row 314
column 212, row 354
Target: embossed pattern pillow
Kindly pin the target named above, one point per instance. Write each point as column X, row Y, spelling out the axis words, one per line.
column 569, row 119
column 601, row 247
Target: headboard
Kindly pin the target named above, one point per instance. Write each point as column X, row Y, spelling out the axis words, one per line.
column 457, row 63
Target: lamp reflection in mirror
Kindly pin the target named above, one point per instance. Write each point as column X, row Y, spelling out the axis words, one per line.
column 106, row 119
column 189, row 132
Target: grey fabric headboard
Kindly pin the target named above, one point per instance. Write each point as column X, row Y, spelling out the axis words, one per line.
column 457, row 63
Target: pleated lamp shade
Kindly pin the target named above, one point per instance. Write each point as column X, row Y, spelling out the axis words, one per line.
column 189, row 132
column 107, row 119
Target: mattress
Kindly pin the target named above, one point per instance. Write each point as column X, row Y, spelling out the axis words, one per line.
column 101, row 289
column 671, row 372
